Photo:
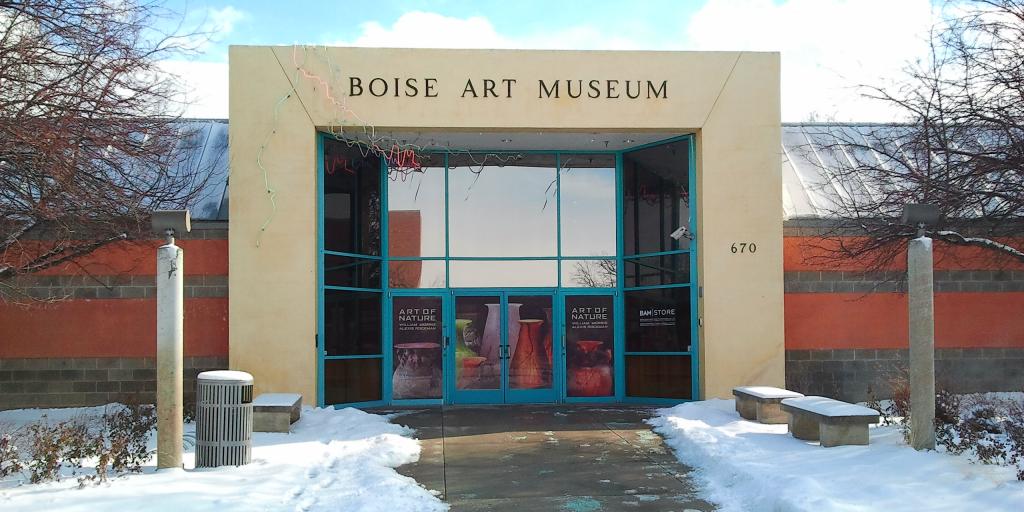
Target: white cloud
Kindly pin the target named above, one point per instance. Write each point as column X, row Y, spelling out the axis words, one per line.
column 829, row 47
column 206, row 85
column 418, row 29
column 222, row 21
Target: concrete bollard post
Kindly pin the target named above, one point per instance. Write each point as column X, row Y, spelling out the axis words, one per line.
column 922, row 343
column 169, row 357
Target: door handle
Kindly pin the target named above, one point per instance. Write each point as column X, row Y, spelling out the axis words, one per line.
column 445, row 342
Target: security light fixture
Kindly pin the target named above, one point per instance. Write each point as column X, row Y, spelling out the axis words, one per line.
column 920, row 215
column 171, row 222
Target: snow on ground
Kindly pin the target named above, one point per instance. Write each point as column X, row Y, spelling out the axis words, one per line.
column 748, row 466
column 332, row 460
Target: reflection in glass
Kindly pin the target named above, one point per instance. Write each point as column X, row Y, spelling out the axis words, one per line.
column 587, row 185
column 657, row 270
column 478, row 353
column 351, row 199
column 502, row 205
column 659, row 377
column 529, row 340
column 588, row 273
column 589, row 345
column 351, row 272
column 417, row 337
column 352, row 380
column 521, row 273
column 352, row 323
column 658, row 320
column 656, row 202
column 416, row 209
column 416, row 274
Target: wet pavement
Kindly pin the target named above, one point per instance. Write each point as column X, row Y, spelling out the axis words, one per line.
column 547, row 458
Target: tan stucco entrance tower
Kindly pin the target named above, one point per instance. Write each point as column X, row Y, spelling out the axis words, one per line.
column 280, row 97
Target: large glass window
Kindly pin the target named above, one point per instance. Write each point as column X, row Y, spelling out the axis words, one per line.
column 416, row 209
column 351, row 199
column 587, row 215
column 352, row 323
column 657, row 275
column 502, row 205
column 506, row 220
column 351, row 270
column 657, row 196
column 658, row 320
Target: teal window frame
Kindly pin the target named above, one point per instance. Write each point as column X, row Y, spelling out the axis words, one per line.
column 560, row 292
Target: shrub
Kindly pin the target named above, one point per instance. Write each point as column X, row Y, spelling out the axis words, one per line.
column 10, row 461
column 62, row 444
column 127, row 431
column 116, row 443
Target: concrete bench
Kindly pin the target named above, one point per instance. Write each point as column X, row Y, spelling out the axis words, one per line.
column 761, row 403
column 275, row 412
column 834, row 423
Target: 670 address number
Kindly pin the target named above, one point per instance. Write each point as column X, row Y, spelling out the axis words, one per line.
column 743, row 248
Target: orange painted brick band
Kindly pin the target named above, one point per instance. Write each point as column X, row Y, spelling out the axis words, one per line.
column 202, row 257
column 853, row 320
column 807, row 254
column 108, row 328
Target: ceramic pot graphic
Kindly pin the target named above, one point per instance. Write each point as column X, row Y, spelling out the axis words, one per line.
column 528, row 367
column 464, row 335
column 417, row 374
column 469, row 372
column 491, row 341
column 513, row 326
column 549, row 327
column 590, row 372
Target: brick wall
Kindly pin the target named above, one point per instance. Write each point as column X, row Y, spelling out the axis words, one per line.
column 849, row 374
column 85, row 334
column 84, row 381
column 847, row 329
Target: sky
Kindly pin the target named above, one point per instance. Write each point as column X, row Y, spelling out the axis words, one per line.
column 829, row 47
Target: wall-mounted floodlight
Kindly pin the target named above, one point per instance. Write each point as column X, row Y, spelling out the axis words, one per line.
column 920, row 215
column 171, row 222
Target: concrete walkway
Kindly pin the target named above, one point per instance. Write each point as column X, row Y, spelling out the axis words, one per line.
column 547, row 458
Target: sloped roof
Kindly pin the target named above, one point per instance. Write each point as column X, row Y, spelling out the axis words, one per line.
column 808, row 149
column 207, row 141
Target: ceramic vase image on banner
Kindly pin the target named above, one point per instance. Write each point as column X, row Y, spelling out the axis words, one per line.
column 590, row 370
column 491, row 342
column 467, row 360
column 528, row 369
column 418, row 372
column 489, row 346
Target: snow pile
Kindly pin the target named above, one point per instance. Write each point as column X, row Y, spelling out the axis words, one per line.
column 333, row 460
column 748, row 466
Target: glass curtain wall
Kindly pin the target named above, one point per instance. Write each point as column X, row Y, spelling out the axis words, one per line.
column 513, row 220
column 503, row 220
column 350, row 268
column 658, row 281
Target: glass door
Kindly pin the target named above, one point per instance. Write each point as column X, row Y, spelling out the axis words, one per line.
column 420, row 338
column 479, row 355
column 503, row 348
column 530, row 348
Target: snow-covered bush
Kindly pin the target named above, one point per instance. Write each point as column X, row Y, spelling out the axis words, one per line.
column 987, row 429
column 115, row 442
column 10, row 463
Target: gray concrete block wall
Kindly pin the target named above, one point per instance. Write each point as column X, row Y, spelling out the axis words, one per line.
column 79, row 382
column 850, row 374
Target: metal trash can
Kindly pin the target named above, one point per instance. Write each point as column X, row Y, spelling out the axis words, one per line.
column 223, row 419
